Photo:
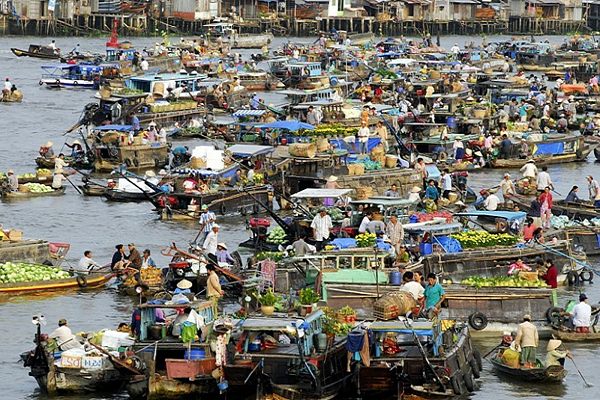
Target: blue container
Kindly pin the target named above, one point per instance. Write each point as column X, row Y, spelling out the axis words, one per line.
column 223, row 385
column 255, row 345
column 195, row 354
column 395, row 278
column 425, row 249
column 413, row 219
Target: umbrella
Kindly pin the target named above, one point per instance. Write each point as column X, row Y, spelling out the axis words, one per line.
column 289, row 125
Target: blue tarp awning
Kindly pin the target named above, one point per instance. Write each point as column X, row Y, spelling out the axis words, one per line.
column 118, row 128
column 508, row 215
column 549, row 148
column 289, row 125
column 248, row 113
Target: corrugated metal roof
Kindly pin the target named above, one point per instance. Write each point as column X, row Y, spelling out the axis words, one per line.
column 544, row 2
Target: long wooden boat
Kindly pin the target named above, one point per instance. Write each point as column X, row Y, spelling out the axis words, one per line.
column 89, row 281
column 578, row 211
column 568, row 336
column 554, row 373
column 49, row 163
column 542, row 159
column 123, row 196
column 33, row 251
column 7, row 196
column 36, row 51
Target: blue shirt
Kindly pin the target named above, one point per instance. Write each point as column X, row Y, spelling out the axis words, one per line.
column 204, row 218
column 135, row 121
column 433, row 294
column 432, row 193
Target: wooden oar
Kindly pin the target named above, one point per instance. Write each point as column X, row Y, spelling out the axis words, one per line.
column 72, row 184
column 580, row 374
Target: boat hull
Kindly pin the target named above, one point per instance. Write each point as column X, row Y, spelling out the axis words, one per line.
column 33, row 251
column 554, row 374
column 25, row 53
column 576, row 337
column 92, row 281
column 67, row 83
column 9, row 196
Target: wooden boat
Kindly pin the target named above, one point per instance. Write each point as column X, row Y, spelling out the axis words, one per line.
column 300, row 379
column 251, row 40
column 48, row 163
column 554, row 373
column 36, row 51
column 456, row 363
column 578, row 211
column 8, row 196
column 15, row 96
column 90, row 281
column 569, row 336
column 542, row 159
column 92, row 189
column 165, row 372
column 259, row 80
column 123, row 196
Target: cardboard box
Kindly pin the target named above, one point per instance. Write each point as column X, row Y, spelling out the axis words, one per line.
column 15, row 235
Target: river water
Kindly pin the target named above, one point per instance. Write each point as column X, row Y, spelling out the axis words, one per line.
column 94, row 224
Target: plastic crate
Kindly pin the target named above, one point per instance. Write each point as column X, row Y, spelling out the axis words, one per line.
column 189, row 369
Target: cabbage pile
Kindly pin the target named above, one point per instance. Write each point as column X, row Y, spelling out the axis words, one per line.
column 277, row 236
column 26, row 176
column 38, row 188
column 22, row 272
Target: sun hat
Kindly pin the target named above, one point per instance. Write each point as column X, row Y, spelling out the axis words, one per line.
column 527, row 316
column 48, row 144
column 184, row 284
column 332, row 178
column 553, row 344
column 223, row 245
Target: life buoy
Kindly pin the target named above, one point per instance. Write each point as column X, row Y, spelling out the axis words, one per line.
column 136, row 162
column 573, row 278
column 586, row 276
column 81, row 281
column 475, row 368
column 478, row 321
column 455, row 386
column 57, row 81
column 135, row 362
column 553, row 314
column 469, row 384
column 179, row 272
column 75, row 83
column 128, row 162
column 222, row 209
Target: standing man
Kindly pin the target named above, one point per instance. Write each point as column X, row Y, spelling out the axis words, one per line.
column 135, row 122
column 210, row 243
column 422, row 168
column 382, row 132
column 363, row 138
column 207, row 220
column 312, row 117
column 446, row 183
column 395, row 233
column 594, row 191
column 59, row 173
column 543, row 180
column 213, row 287
column 529, row 171
column 527, row 340
column 321, row 226
column 434, row 292
column 508, row 188
column 505, row 146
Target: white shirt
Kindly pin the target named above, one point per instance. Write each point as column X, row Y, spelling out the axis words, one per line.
column 59, row 164
column 7, row 85
column 321, row 225
column 446, row 182
column 87, row 262
column 413, row 288
column 582, row 314
column 594, row 190
column 414, row 197
column 364, row 224
column 491, row 203
column 529, row 170
column 363, row 134
column 64, row 337
column 543, row 180
column 210, row 243
column 455, row 49
column 162, row 136
column 144, row 65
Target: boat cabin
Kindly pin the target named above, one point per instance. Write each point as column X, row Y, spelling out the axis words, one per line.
column 159, row 84
column 71, row 75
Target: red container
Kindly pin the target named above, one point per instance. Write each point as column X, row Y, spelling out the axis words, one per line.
column 189, row 369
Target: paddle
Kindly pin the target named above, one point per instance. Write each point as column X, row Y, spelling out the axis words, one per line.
column 581, row 375
column 72, row 184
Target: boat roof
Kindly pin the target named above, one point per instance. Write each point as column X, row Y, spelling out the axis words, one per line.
column 320, row 193
column 384, row 201
column 276, row 323
column 167, row 77
column 248, row 113
column 433, row 228
column 508, row 215
column 113, row 127
column 249, row 150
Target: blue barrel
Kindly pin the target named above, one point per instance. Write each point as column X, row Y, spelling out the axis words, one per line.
column 395, row 278
column 425, row 249
column 451, row 122
column 195, row 354
column 413, row 219
column 333, row 81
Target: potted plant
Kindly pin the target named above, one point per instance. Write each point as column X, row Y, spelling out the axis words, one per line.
column 308, row 299
column 267, row 301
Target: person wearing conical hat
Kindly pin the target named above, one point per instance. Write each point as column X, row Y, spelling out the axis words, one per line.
column 331, row 184
column 76, row 148
column 554, row 355
column 46, row 150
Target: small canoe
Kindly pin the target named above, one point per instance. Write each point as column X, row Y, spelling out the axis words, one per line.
column 6, row 195
column 554, row 373
column 92, row 189
column 37, row 52
column 568, row 336
column 89, row 281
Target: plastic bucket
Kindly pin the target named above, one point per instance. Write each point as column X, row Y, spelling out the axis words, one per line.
column 413, row 219
column 395, row 278
column 194, row 354
column 223, row 385
column 425, row 249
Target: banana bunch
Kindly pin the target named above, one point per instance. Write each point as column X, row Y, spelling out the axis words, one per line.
column 447, row 324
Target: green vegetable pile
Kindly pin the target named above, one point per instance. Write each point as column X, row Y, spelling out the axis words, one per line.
column 277, row 236
column 38, row 188
column 190, row 131
column 334, row 213
column 502, row 281
column 43, row 171
column 270, row 255
column 475, row 239
column 23, row 272
column 366, row 239
column 370, row 165
column 26, row 176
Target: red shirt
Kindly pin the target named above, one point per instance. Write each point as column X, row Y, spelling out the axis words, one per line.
column 548, row 198
column 528, row 231
column 551, row 277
